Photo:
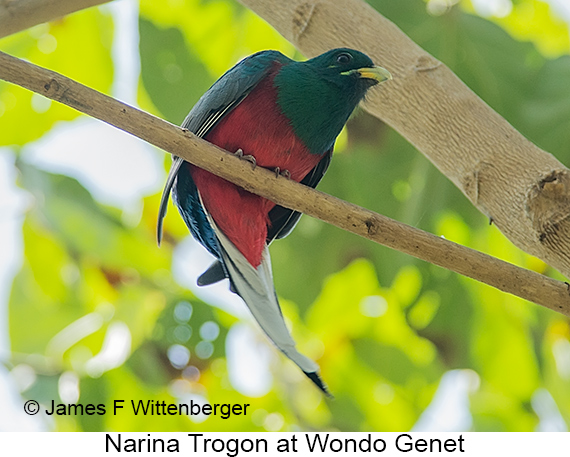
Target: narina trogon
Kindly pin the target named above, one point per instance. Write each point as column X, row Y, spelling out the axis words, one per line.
column 282, row 115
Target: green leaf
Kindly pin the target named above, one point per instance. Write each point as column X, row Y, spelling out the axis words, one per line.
column 172, row 74
column 77, row 46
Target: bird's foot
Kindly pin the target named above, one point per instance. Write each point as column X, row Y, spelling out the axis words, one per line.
column 251, row 159
column 284, row 173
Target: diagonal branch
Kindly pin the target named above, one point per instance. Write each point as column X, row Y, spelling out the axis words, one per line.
column 497, row 273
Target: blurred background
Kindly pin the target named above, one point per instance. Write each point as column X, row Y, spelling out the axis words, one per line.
column 91, row 310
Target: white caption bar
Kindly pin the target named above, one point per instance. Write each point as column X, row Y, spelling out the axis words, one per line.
column 300, row 443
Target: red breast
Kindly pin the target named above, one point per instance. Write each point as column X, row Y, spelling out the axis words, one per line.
column 257, row 127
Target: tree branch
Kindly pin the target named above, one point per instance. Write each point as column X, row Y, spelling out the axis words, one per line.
column 497, row 273
column 523, row 189
column 22, row 14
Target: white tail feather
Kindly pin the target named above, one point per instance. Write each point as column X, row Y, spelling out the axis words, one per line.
column 255, row 287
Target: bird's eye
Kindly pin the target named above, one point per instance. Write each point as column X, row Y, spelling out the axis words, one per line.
column 343, row 58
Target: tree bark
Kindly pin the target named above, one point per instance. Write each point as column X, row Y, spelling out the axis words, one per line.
column 17, row 15
column 502, row 275
column 524, row 190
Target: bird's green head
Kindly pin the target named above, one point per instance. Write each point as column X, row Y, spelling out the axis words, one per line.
column 319, row 94
column 349, row 68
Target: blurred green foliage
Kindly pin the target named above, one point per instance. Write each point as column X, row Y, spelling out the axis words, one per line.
column 383, row 327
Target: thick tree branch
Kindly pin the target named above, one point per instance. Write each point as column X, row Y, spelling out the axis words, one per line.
column 502, row 275
column 525, row 190
column 16, row 15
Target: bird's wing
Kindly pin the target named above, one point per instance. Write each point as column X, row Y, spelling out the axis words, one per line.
column 224, row 95
column 283, row 220
column 255, row 287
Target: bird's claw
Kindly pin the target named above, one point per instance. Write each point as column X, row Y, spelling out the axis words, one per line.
column 251, row 159
column 284, row 173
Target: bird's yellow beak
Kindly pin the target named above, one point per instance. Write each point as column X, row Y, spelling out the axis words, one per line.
column 377, row 73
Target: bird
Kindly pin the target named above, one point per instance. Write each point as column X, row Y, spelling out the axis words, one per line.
column 283, row 115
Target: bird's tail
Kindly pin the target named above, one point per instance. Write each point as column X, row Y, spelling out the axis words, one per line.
column 176, row 163
column 255, row 287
